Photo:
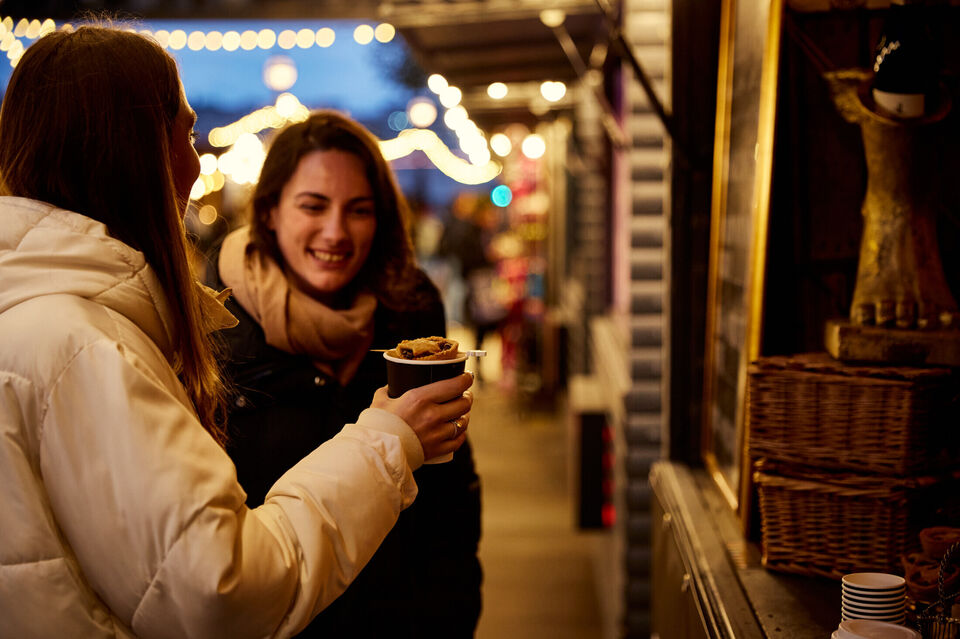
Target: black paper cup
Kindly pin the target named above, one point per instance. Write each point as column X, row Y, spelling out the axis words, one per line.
column 404, row 374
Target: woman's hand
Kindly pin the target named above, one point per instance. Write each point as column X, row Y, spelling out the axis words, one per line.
column 438, row 413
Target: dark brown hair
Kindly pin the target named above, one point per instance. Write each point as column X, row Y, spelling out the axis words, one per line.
column 86, row 125
column 390, row 270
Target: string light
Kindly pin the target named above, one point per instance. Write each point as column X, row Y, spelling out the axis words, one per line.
column 433, row 147
column 266, row 39
column 363, row 34
column 450, row 97
column 231, row 41
column 287, row 108
column 436, row 83
column 214, row 41
column 501, row 144
column 207, row 214
column 533, row 146
column 325, row 37
column 384, row 32
column 306, row 38
column 287, row 39
column 178, row 39
column 240, row 136
column 553, row 91
column 497, row 90
column 248, row 40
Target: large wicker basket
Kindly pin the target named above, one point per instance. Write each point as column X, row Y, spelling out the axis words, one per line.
column 830, row 523
column 811, row 409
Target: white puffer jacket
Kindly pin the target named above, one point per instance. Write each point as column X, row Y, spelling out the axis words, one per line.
column 119, row 515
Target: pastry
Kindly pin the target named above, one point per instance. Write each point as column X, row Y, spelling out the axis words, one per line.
column 428, row 348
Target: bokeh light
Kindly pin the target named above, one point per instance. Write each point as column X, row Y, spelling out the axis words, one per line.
column 363, row 34
column 398, row 121
column 533, row 146
column 497, row 90
column 501, row 195
column 501, row 144
column 279, row 72
column 384, row 32
column 422, row 112
column 326, row 37
column 436, row 83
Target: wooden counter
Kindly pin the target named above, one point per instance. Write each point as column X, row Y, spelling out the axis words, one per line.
column 708, row 582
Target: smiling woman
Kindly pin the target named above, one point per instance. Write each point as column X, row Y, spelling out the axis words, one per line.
column 323, row 274
column 325, row 223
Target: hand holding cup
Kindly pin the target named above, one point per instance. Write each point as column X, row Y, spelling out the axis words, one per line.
column 439, row 413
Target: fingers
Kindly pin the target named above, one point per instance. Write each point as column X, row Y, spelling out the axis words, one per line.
column 442, row 440
column 438, row 413
column 445, row 389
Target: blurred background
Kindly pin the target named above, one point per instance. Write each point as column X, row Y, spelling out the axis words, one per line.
column 535, row 141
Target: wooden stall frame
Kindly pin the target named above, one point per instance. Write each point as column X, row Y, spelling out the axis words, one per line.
column 725, row 459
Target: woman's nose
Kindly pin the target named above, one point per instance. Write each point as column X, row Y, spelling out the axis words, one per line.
column 332, row 225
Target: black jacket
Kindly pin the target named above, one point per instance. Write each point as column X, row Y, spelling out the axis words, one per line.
column 424, row 580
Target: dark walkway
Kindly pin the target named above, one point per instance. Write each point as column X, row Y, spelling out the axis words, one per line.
column 538, row 566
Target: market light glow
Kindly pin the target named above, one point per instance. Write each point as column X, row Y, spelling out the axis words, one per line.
column 363, row 34
column 248, row 40
column 398, row 121
column 287, row 39
column 214, row 41
column 326, row 37
column 266, row 39
column 553, row 91
column 178, row 39
column 501, row 144
column 501, row 195
column 433, row 147
column 208, row 164
column 422, row 112
column 196, row 40
column 306, row 38
column 450, row 97
column 533, row 146
column 207, row 214
column 497, row 90
column 552, row 17
column 286, row 109
column 436, row 83
column 384, row 32
column 455, row 117
column 231, row 41
column 279, row 72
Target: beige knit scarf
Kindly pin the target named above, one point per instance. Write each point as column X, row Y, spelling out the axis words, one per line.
column 335, row 339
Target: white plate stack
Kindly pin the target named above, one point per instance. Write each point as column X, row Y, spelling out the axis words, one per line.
column 867, row 629
column 874, row 595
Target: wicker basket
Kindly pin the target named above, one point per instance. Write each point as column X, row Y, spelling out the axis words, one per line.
column 830, row 523
column 811, row 409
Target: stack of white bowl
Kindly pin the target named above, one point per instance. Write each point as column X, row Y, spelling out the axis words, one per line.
column 868, row 629
column 874, row 595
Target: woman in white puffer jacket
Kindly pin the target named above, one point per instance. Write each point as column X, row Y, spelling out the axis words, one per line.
column 120, row 513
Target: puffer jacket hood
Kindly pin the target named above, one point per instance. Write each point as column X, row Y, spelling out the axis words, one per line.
column 45, row 250
column 48, row 251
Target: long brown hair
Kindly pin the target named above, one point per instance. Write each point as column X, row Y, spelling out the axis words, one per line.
column 86, row 125
column 390, row 270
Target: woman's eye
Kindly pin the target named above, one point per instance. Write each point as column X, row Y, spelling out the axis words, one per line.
column 194, row 137
column 363, row 211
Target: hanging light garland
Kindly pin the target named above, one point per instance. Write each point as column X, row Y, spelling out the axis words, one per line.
column 288, row 108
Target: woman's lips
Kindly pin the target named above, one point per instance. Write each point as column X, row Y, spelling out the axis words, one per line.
column 328, row 257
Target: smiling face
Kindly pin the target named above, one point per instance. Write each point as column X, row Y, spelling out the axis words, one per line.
column 325, row 222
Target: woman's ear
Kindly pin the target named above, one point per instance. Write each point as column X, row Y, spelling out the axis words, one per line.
column 271, row 216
